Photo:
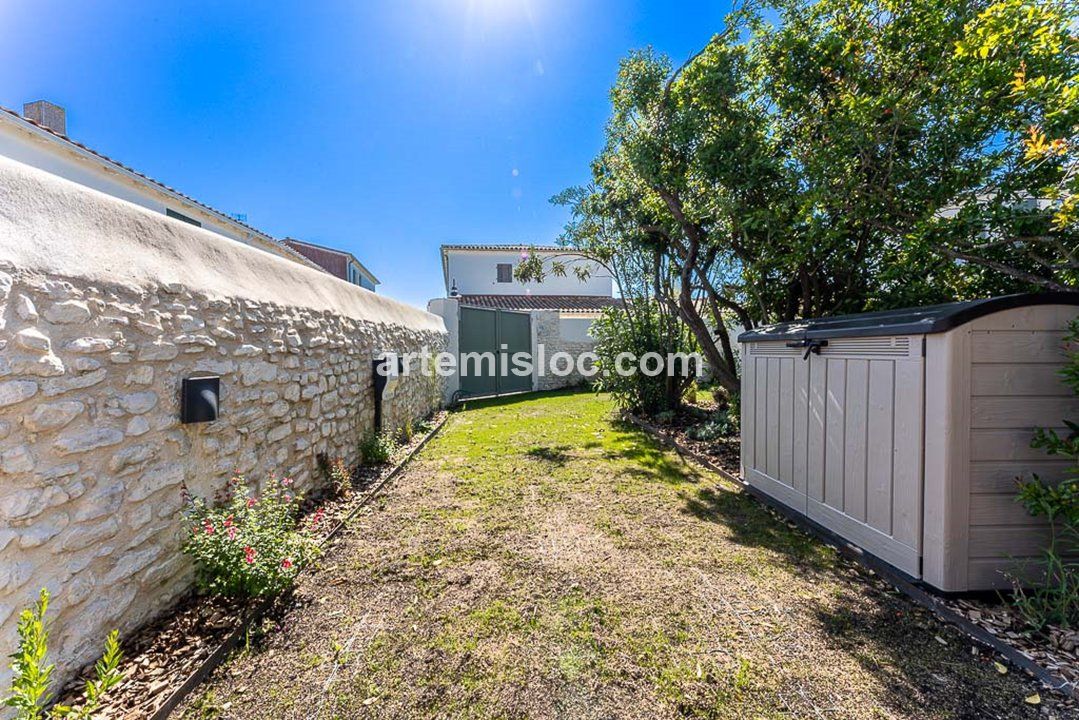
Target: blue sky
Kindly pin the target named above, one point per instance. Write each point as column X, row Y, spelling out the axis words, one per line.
column 385, row 128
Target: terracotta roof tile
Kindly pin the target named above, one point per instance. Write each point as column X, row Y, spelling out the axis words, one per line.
column 564, row 303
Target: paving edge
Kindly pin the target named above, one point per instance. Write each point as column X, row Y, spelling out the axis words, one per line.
column 218, row 656
column 905, row 584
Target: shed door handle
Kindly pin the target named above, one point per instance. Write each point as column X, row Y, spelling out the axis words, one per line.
column 811, row 346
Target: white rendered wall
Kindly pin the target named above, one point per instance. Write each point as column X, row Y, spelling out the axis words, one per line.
column 475, row 273
column 575, row 328
column 449, row 310
column 21, row 145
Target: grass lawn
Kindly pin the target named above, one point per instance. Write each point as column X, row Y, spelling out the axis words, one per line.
column 540, row 559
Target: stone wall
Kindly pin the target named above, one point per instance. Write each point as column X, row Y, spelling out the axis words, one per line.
column 547, row 332
column 104, row 308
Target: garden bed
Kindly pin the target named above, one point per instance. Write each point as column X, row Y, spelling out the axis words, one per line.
column 686, row 426
column 168, row 657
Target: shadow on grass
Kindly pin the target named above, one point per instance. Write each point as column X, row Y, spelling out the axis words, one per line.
column 554, row 454
column 898, row 645
column 753, row 525
column 653, row 460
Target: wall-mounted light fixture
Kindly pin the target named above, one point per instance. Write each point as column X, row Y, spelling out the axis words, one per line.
column 199, row 399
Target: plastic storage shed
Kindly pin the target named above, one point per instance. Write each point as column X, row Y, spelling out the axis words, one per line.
column 904, row 431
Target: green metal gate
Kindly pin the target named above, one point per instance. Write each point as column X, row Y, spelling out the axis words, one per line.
column 496, row 335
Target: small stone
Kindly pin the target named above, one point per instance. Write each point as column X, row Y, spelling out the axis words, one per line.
column 33, row 340
column 157, row 351
column 41, row 366
column 85, row 364
column 196, row 339
column 15, row 391
column 256, row 371
column 142, row 375
column 14, row 575
column 279, row 433
column 24, row 308
column 21, row 505
column 137, row 425
column 189, row 324
column 43, row 530
column 138, row 403
column 86, row 440
column 104, row 500
column 155, row 479
column 6, row 282
column 68, row 312
column 89, row 345
column 77, row 382
column 81, row 536
column 131, row 455
column 17, row 459
column 52, row 416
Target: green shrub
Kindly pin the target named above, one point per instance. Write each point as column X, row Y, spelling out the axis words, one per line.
column 377, row 448
column 407, row 432
column 336, row 472
column 641, row 327
column 1056, row 599
column 33, row 673
column 340, row 476
column 716, row 428
column 250, row 546
column 689, row 395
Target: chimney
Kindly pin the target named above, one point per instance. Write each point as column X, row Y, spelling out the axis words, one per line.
column 47, row 114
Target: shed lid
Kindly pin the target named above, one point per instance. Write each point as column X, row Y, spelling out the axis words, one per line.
column 906, row 321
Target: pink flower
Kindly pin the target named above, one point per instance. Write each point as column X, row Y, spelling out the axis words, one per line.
column 228, row 521
column 286, row 563
column 249, row 554
column 251, row 501
column 232, row 533
column 288, row 498
column 285, row 482
column 208, row 527
column 317, row 518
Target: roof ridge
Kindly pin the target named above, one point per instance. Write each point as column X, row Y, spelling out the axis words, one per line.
column 167, row 188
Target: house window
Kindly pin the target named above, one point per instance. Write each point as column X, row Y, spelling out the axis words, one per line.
column 505, row 272
column 182, row 218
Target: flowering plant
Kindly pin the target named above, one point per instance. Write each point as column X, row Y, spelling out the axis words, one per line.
column 249, row 545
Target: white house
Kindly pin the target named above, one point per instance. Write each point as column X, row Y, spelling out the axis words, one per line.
column 487, row 309
column 39, row 138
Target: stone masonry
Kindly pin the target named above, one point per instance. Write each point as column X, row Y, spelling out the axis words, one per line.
column 548, row 333
column 92, row 451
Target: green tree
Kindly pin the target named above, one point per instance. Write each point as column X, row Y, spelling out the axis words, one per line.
column 830, row 156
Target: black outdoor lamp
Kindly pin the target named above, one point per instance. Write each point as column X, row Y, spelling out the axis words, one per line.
column 199, row 399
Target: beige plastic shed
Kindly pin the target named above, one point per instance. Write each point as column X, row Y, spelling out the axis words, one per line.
column 904, row 431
